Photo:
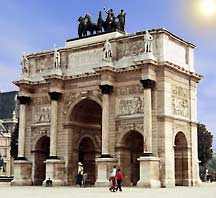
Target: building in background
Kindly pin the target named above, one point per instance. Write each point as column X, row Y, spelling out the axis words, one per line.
column 8, row 120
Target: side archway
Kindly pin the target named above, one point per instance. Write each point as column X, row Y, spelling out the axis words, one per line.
column 181, row 160
column 130, row 147
column 40, row 154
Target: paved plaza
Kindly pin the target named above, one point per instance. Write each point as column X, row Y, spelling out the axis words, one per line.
column 205, row 191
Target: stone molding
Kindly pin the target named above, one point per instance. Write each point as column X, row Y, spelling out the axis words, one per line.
column 24, row 99
column 55, row 95
column 106, row 89
column 148, row 83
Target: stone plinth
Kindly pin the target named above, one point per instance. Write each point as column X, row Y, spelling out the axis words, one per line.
column 104, row 166
column 92, row 39
column 149, row 172
column 145, row 57
column 55, row 172
column 22, row 173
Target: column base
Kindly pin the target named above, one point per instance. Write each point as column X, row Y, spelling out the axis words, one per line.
column 22, row 173
column 104, row 166
column 168, row 183
column 149, row 172
column 55, row 172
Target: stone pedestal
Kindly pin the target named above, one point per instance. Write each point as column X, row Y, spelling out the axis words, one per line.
column 22, row 173
column 55, row 172
column 104, row 166
column 149, row 172
column 146, row 56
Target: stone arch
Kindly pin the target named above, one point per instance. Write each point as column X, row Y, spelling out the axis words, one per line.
column 127, row 128
column 80, row 99
column 86, row 155
column 36, row 139
column 40, row 154
column 181, row 159
column 86, row 136
column 129, row 148
column 85, row 120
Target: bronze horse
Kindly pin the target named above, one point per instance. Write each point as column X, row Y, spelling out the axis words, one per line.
column 112, row 23
column 90, row 26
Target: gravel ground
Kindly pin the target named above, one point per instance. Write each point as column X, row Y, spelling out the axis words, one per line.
column 206, row 190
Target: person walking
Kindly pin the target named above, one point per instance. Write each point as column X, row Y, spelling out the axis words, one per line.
column 113, row 179
column 119, row 178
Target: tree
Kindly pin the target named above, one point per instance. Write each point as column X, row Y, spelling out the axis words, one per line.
column 205, row 139
column 14, row 142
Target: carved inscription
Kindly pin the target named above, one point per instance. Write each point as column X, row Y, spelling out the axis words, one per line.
column 180, row 102
column 131, row 106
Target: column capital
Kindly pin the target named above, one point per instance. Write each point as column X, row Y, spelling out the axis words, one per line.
column 24, row 99
column 55, row 95
column 106, row 89
column 148, row 83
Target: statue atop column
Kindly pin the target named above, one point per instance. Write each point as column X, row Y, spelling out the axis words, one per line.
column 56, row 59
column 25, row 64
column 107, row 50
column 148, row 42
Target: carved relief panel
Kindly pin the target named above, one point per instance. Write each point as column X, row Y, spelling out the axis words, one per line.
column 128, row 101
column 180, row 101
column 41, row 114
column 130, row 106
column 41, row 110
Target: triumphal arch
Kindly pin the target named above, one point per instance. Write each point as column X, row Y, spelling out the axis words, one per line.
column 112, row 98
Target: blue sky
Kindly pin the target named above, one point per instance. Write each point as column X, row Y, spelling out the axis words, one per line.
column 36, row 25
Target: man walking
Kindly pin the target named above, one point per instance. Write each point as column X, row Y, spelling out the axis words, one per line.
column 119, row 178
column 113, row 179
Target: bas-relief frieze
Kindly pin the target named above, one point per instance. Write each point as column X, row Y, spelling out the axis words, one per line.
column 137, row 89
column 130, row 106
column 130, row 48
column 180, row 101
column 41, row 114
column 44, row 63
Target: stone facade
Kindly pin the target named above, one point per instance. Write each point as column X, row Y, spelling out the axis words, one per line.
column 136, row 110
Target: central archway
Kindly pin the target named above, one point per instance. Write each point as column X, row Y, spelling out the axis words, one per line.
column 130, row 149
column 86, row 117
column 87, row 154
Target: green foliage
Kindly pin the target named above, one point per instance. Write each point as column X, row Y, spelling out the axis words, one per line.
column 14, row 142
column 205, row 139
